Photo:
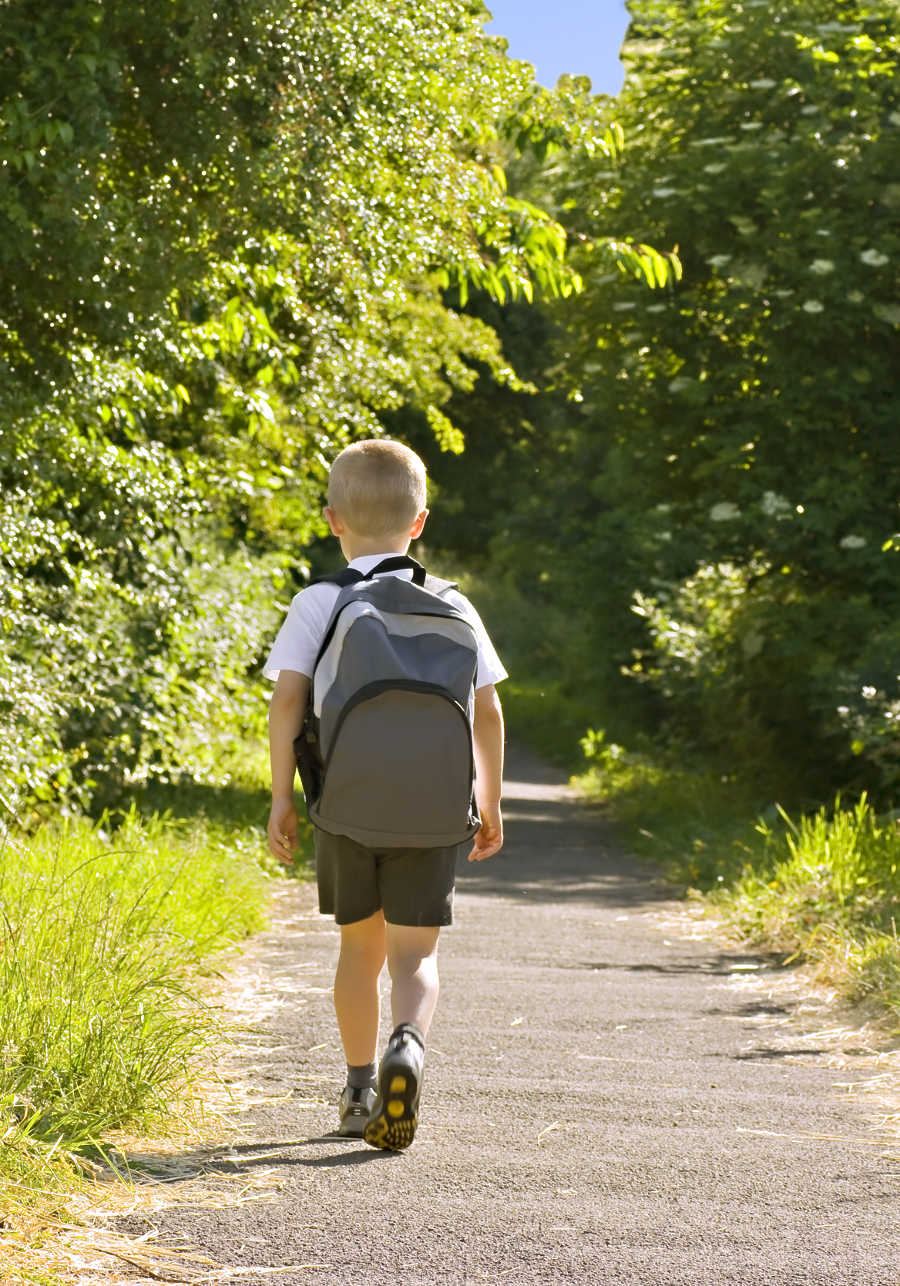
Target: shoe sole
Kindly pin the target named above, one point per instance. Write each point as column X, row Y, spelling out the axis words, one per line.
column 393, row 1122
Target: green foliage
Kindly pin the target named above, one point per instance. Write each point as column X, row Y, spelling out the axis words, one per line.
column 707, row 485
column 753, row 411
column 103, row 1033
column 228, row 236
column 128, row 630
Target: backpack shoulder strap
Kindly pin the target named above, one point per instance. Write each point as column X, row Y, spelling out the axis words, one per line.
column 396, row 563
column 420, row 577
column 349, row 576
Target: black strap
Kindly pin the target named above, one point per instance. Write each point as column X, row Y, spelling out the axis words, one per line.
column 349, row 576
column 396, row 563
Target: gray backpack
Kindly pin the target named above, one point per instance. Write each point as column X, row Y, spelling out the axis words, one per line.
column 385, row 753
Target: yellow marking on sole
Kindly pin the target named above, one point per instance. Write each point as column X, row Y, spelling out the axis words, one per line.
column 395, row 1108
column 398, row 1084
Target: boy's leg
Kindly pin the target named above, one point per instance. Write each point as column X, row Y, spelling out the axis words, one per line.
column 356, row 996
column 412, row 962
column 356, row 1004
column 412, row 952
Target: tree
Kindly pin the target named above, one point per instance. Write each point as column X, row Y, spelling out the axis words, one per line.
column 710, row 484
column 228, row 232
column 744, row 424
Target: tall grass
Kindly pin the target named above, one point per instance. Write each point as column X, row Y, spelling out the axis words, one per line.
column 104, row 939
column 108, row 935
column 828, row 891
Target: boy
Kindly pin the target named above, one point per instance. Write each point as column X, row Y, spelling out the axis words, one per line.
column 389, row 904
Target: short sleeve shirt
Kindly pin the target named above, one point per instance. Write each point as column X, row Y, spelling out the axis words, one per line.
column 299, row 639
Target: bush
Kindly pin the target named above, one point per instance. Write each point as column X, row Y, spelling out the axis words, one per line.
column 769, row 680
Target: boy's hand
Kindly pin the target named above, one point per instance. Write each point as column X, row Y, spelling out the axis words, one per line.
column 488, row 840
column 282, row 830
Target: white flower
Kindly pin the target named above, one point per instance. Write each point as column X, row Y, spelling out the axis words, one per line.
column 746, row 227
column 662, row 192
column 764, row 83
column 773, row 504
column 888, row 312
column 813, row 306
column 751, row 124
column 874, row 258
column 716, row 167
column 751, row 274
column 724, row 511
column 822, row 267
column 853, row 542
column 869, row 692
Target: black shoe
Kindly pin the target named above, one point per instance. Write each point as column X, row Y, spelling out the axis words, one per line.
column 393, row 1120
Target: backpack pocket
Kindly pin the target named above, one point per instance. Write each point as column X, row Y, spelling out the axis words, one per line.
column 399, row 769
column 308, row 758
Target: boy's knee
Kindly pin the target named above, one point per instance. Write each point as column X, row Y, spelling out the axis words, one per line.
column 409, row 947
column 364, row 937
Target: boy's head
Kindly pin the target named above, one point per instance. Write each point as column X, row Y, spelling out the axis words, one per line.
column 376, row 489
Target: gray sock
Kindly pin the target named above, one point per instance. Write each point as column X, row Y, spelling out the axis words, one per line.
column 362, row 1078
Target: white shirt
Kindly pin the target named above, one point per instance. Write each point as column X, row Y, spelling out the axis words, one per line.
column 300, row 637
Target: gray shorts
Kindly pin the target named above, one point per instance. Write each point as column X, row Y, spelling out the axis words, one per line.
column 412, row 886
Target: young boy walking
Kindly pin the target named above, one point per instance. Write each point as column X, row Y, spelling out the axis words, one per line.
column 390, row 903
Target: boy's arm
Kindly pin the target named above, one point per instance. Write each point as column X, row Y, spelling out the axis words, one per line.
column 286, row 711
column 488, row 744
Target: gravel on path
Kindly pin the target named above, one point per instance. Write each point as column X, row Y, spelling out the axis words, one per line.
column 607, row 1100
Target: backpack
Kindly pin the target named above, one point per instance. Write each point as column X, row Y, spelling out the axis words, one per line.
column 385, row 752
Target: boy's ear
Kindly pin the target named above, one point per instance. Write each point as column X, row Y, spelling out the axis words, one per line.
column 334, row 520
column 416, row 529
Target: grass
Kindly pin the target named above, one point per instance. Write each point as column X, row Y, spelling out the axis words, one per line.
column 822, row 889
column 827, row 891
column 105, row 937
column 110, row 934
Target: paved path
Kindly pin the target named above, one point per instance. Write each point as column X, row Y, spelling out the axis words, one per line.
column 606, row 1101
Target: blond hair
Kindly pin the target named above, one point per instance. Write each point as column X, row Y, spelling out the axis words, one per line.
column 377, row 486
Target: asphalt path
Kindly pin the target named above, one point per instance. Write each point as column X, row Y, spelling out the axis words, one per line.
column 607, row 1099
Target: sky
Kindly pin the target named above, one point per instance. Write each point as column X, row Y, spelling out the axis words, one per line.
column 582, row 37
